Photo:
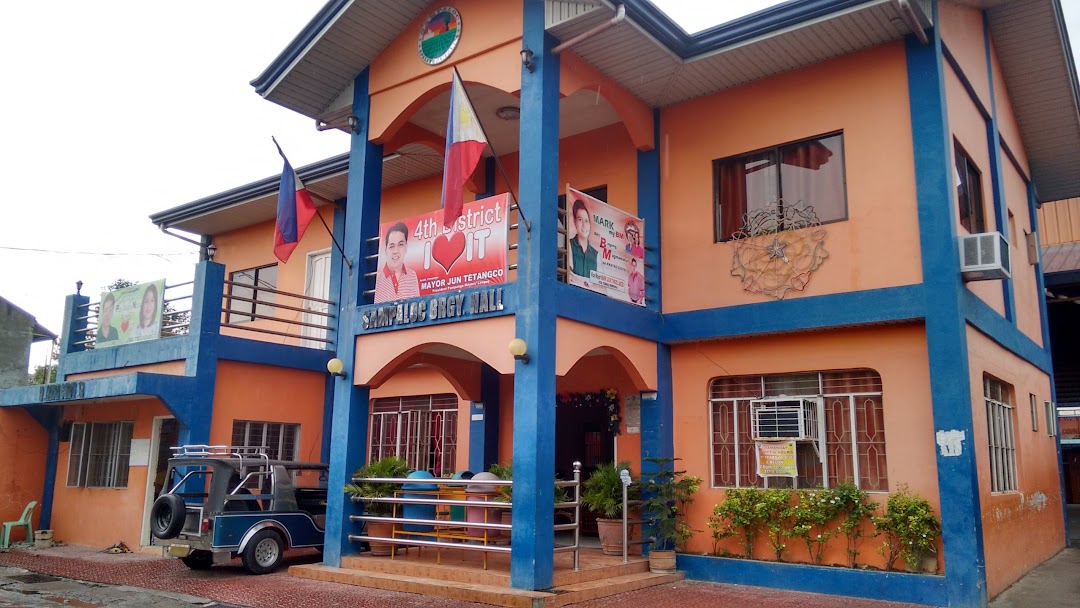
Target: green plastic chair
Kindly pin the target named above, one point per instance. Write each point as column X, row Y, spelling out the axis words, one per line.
column 24, row 522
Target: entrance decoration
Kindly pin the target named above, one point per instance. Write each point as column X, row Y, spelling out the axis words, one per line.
column 439, row 35
column 607, row 398
column 777, row 249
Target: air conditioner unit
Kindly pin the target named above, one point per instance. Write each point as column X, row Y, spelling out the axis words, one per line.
column 985, row 257
column 784, row 418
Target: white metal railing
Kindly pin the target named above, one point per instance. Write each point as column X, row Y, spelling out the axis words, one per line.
column 445, row 531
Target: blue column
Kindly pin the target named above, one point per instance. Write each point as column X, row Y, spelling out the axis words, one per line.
column 958, row 483
column 50, row 417
column 349, row 424
column 533, row 537
column 997, row 179
column 194, row 419
column 75, row 306
column 335, row 330
column 484, row 422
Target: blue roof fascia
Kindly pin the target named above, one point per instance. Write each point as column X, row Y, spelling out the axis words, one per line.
column 326, row 15
column 667, row 32
column 263, row 187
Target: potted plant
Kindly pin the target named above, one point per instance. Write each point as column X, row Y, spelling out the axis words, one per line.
column 384, row 468
column 504, row 494
column 603, row 492
column 667, row 492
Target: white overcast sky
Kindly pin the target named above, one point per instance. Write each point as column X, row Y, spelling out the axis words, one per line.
column 117, row 109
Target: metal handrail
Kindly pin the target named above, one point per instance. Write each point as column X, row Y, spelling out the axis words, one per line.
column 574, row 504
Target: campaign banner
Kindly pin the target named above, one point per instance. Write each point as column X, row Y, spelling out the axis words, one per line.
column 130, row 314
column 605, row 251
column 419, row 257
column 776, row 459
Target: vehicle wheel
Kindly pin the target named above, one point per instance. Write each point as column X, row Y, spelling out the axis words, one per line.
column 263, row 552
column 167, row 516
column 199, row 560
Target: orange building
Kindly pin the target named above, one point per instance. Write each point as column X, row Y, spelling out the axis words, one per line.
column 824, row 212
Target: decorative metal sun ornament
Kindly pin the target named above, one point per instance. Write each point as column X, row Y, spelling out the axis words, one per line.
column 777, row 249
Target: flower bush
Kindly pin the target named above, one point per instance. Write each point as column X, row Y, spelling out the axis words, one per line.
column 910, row 529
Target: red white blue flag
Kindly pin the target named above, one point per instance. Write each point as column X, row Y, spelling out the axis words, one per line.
column 294, row 211
column 465, row 143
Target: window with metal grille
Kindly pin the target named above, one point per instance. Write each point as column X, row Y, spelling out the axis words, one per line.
column 849, row 406
column 99, row 454
column 968, row 191
column 252, row 296
column 999, row 426
column 422, row 430
column 281, row 439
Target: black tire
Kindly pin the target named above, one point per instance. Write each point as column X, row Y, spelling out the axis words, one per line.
column 263, row 552
column 167, row 516
column 199, row 560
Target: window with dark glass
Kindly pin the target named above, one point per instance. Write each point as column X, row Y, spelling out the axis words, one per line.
column 808, row 172
column 420, row 429
column 251, row 293
column 969, row 192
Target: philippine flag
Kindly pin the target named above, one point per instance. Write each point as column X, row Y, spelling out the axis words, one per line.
column 465, row 143
column 294, row 211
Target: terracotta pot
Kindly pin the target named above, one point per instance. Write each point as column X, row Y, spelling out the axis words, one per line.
column 610, row 531
column 380, row 529
column 662, row 562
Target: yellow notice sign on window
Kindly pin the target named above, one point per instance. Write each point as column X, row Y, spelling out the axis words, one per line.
column 776, row 459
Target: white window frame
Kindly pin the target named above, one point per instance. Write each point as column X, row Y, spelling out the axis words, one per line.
column 280, row 449
column 413, row 415
column 1001, row 435
column 99, row 454
column 245, row 312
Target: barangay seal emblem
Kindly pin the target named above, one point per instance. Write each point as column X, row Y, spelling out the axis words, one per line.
column 439, row 35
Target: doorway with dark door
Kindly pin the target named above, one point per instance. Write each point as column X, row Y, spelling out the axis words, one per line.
column 582, row 434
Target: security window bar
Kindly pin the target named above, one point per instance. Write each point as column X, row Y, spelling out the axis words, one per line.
column 849, row 410
column 250, row 297
column 808, row 172
column 999, row 426
column 1051, row 418
column 281, row 439
column 422, row 430
column 968, row 191
column 99, row 454
column 1034, row 413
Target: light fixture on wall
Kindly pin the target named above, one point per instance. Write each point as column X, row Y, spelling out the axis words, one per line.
column 336, row 367
column 527, row 59
column 211, row 251
column 508, row 113
column 518, row 348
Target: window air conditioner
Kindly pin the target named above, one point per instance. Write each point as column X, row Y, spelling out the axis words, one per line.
column 784, row 418
column 985, row 257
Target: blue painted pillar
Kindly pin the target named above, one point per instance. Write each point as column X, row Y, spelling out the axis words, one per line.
column 335, row 330
column 349, row 424
column 50, row 417
column 657, row 410
column 194, row 415
column 75, row 306
column 997, row 178
column 484, row 422
column 533, row 537
column 950, row 388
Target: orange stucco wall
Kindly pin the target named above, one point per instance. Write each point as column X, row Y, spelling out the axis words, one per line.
column 168, row 368
column 897, row 353
column 1024, row 528
column 77, row 516
column 22, row 474
column 246, row 391
column 962, row 32
column 864, row 95
column 252, row 247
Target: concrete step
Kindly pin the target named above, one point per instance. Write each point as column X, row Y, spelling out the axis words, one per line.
column 496, row 595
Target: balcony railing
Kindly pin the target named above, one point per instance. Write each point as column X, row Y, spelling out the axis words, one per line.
column 175, row 318
column 305, row 318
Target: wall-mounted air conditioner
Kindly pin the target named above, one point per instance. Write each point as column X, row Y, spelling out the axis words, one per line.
column 985, row 257
column 784, row 418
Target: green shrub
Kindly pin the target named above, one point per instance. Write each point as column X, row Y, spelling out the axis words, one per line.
column 667, row 493
column 810, row 520
column 910, row 529
column 737, row 514
column 602, row 491
column 384, row 468
column 855, row 507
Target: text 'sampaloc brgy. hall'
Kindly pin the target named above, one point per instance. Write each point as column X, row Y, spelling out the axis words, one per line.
column 823, row 212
